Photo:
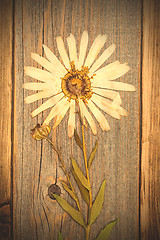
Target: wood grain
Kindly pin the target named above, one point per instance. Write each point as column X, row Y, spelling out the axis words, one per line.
column 36, row 216
column 6, row 37
column 150, row 164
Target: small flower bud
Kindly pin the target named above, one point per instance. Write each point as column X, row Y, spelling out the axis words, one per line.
column 40, row 131
column 54, row 189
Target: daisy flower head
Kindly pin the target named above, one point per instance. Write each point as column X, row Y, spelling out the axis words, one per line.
column 78, row 82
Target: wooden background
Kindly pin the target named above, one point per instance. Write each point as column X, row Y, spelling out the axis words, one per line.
column 128, row 156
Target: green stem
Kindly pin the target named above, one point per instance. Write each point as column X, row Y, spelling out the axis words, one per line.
column 86, row 166
column 63, row 168
column 87, row 232
column 87, row 173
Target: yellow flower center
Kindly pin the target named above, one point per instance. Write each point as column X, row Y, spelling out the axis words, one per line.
column 76, row 83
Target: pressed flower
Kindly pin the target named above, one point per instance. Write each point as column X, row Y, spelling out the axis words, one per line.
column 79, row 82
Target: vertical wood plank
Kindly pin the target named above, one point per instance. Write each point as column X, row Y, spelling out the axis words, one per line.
column 150, row 164
column 36, row 216
column 6, row 37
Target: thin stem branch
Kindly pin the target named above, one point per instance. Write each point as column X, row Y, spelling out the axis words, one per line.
column 64, row 169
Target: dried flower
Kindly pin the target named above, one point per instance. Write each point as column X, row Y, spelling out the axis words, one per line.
column 79, row 81
column 40, row 131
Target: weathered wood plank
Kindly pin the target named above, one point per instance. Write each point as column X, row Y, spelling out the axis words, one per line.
column 150, row 164
column 36, row 216
column 5, row 221
column 6, row 37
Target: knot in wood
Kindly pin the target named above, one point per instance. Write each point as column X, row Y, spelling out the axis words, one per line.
column 54, row 189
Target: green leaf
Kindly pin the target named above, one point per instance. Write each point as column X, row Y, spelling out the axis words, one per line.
column 92, row 155
column 105, row 232
column 77, row 138
column 76, row 215
column 97, row 205
column 80, row 175
column 83, row 190
column 60, row 236
column 71, row 193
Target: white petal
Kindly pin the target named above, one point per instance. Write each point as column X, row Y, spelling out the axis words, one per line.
column 71, row 120
column 112, row 66
column 81, row 111
column 39, row 74
column 39, row 95
column 72, row 48
column 54, row 60
column 35, row 86
column 94, row 50
column 111, row 71
column 121, row 111
column 56, row 110
column 47, row 104
column 117, row 100
column 44, row 76
column 43, row 62
column 89, row 118
column 99, row 116
column 105, row 105
column 105, row 55
column 114, row 105
column 61, row 115
column 114, row 85
column 62, row 52
column 83, row 47
column 105, row 93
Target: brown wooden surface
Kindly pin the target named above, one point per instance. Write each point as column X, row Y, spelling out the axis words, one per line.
column 127, row 162
column 35, row 215
column 150, row 164
column 6, row 23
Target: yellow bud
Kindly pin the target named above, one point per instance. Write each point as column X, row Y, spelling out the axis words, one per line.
column 40, row 131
